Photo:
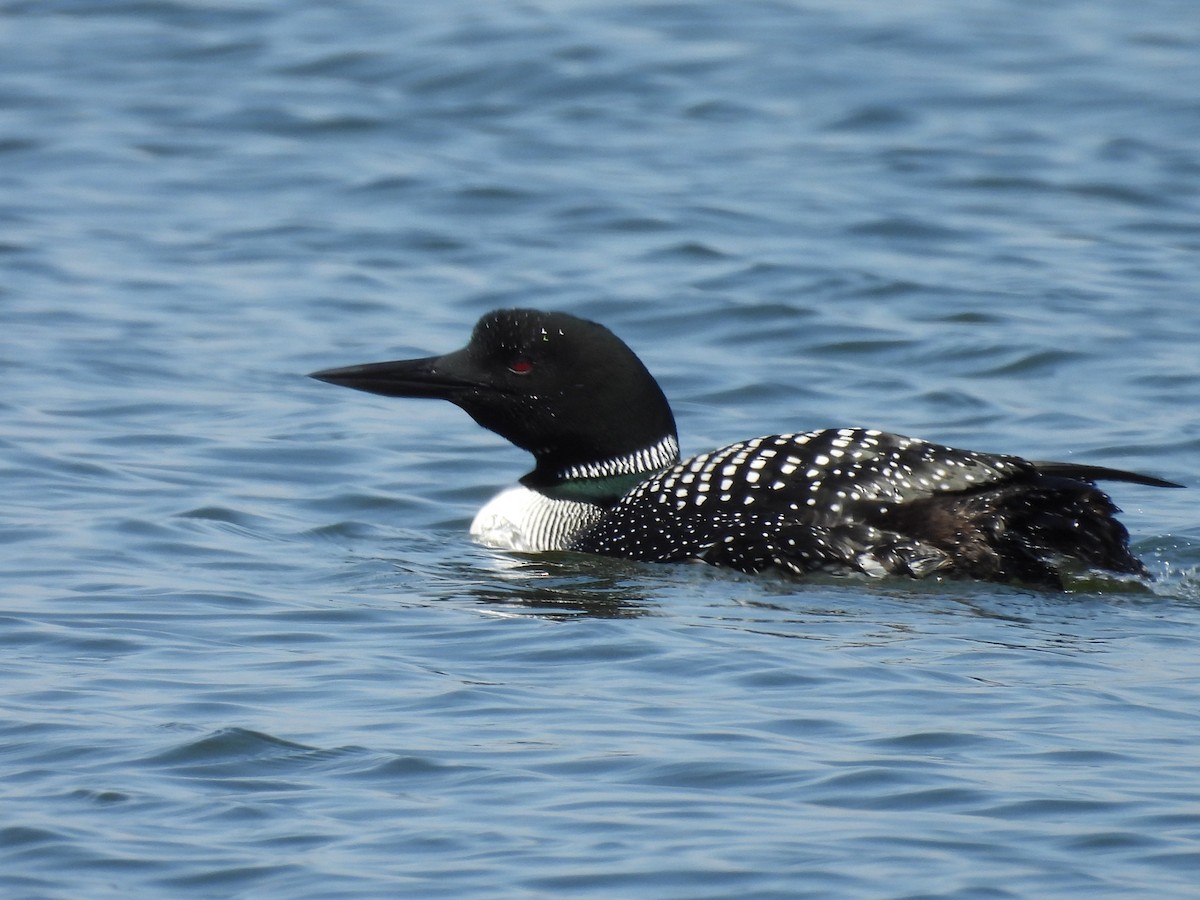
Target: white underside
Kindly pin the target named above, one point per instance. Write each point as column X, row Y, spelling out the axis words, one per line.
column 522, row 519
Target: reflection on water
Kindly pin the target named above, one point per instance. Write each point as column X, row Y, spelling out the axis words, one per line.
column 560, row 586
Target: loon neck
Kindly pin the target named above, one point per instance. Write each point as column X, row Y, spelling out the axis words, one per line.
column 603, row 481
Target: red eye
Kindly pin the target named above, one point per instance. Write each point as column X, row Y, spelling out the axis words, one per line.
column 520, row 366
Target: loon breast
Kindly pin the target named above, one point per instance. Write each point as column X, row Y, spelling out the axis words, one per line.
column 519, row 518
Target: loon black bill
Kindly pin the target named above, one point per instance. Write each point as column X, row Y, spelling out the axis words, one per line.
column 432, row 376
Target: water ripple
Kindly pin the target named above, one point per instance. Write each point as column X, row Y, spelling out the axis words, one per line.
column 250, row 650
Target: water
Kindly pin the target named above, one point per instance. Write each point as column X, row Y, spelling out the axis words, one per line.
column 248, row 649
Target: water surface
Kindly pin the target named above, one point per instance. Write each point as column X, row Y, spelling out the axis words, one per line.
column 248, row 647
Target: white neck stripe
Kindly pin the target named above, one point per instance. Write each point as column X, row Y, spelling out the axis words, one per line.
column 651, row 459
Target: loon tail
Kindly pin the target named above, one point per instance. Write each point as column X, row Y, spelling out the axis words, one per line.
column 1100, row 473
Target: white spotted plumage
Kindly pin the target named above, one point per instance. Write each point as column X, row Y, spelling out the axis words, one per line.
column 758, row 487
column 792, row 501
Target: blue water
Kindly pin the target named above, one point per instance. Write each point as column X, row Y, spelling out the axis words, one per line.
column 247, row 647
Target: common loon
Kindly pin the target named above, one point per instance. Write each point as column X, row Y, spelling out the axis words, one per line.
column 608, row 478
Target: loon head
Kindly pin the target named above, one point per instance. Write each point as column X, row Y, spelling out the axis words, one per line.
column 567, row 390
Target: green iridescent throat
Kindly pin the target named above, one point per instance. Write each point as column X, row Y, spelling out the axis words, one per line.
column 595, row 490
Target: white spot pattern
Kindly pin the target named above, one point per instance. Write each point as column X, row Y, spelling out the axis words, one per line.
column 762, row 513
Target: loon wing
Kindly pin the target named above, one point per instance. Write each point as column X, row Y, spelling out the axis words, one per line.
column 817, row 482
column 857, row 500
